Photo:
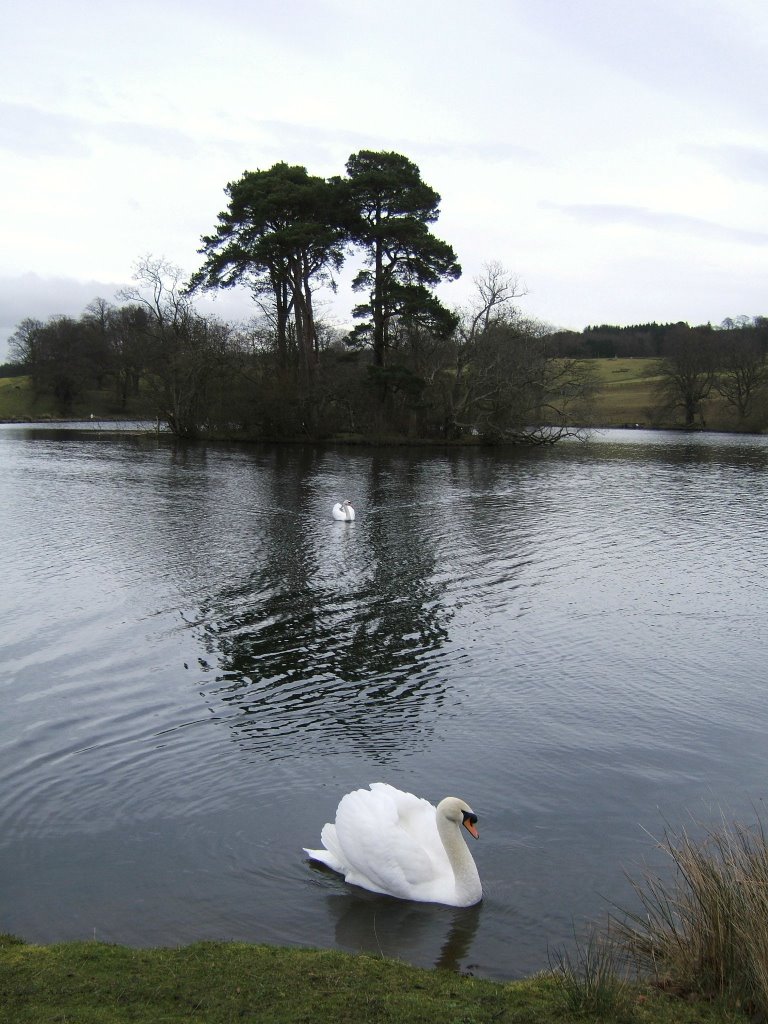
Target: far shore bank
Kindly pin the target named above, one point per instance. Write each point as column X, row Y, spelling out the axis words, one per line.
column 118, row 424
column 626, row 397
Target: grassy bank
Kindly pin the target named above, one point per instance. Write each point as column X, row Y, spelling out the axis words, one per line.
column 17, row 401
column 94, row 983
column 20, row 404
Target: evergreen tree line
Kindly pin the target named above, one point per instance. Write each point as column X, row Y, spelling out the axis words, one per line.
column 409, row 367
column 644, row 341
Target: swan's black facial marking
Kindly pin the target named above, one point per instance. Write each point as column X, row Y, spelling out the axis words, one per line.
column 469, row 821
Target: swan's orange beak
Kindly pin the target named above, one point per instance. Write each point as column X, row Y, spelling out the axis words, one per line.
column 470, row 824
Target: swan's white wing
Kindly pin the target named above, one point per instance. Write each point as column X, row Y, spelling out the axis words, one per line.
column 414, row 814
column 389, row 842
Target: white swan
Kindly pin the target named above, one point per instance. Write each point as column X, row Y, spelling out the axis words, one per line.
column 344, row 510
column 396, row 843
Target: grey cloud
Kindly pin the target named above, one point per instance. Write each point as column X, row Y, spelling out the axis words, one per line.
column 31, row 132
column 495, row 152
column 715, row 57
column 33, row 296
column 656, row 220
column 324, row 143
column 37, row 297
column 744, row 163
column 159, row 139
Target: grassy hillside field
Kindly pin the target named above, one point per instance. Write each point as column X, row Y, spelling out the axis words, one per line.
column 629, row 394
column 19, row 403
column 626, row 391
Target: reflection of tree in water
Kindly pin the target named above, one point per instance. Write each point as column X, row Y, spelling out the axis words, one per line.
column 331, row 643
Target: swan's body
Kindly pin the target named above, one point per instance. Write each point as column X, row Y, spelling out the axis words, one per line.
column 344, row 510
column 396, row 843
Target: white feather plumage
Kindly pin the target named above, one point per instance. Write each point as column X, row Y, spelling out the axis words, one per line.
column 392, row 842
column 343, row 511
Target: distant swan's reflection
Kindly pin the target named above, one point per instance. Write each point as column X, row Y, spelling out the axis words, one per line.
column 425, row 933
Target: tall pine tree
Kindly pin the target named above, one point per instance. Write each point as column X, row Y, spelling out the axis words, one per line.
column 389, row 210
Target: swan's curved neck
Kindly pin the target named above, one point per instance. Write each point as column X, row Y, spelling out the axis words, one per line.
column 468, row 885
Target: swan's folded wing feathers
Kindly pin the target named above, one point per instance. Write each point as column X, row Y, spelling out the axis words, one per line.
column 398, row 868
column 413, row 813
column 377, row 834
column 417, row 817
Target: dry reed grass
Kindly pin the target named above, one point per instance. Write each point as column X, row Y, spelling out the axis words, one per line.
column 706, row 931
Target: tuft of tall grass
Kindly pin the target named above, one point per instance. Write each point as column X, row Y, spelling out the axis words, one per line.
column 706, row 930
column 592, row 978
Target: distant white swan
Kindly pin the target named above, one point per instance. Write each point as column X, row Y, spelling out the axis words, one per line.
column 396, row 843
column 343, row 510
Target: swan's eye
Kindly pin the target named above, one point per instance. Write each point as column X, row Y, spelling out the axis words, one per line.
column 469, row 817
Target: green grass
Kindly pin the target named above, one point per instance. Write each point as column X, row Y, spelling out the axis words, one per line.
column 214, row 983
column 20, row 404
column 623, row 372
column 626, row 391
column 628, row 394
column 17, row 400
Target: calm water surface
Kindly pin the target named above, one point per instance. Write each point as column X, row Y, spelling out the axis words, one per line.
column 196, row 662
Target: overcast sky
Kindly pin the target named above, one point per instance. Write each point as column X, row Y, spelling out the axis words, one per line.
column 612, row 153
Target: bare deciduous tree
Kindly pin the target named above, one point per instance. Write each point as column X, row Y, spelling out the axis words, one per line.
column 688, row 371
column 188, row 356
column 504, row 384
column 743, row 363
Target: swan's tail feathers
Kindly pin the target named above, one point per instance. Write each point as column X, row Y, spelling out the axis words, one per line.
column 322, row 857
column 331, row 854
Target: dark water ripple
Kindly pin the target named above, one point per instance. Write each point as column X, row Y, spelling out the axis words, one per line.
column 197, row 662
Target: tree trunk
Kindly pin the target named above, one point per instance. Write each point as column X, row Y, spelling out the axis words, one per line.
column 379, row 330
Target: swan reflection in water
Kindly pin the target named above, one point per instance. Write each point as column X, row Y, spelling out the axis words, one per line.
column 425, row 933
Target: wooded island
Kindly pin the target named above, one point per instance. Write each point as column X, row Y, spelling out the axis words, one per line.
column 408, row 369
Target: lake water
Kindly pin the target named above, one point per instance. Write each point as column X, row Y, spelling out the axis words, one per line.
column 197, row 663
